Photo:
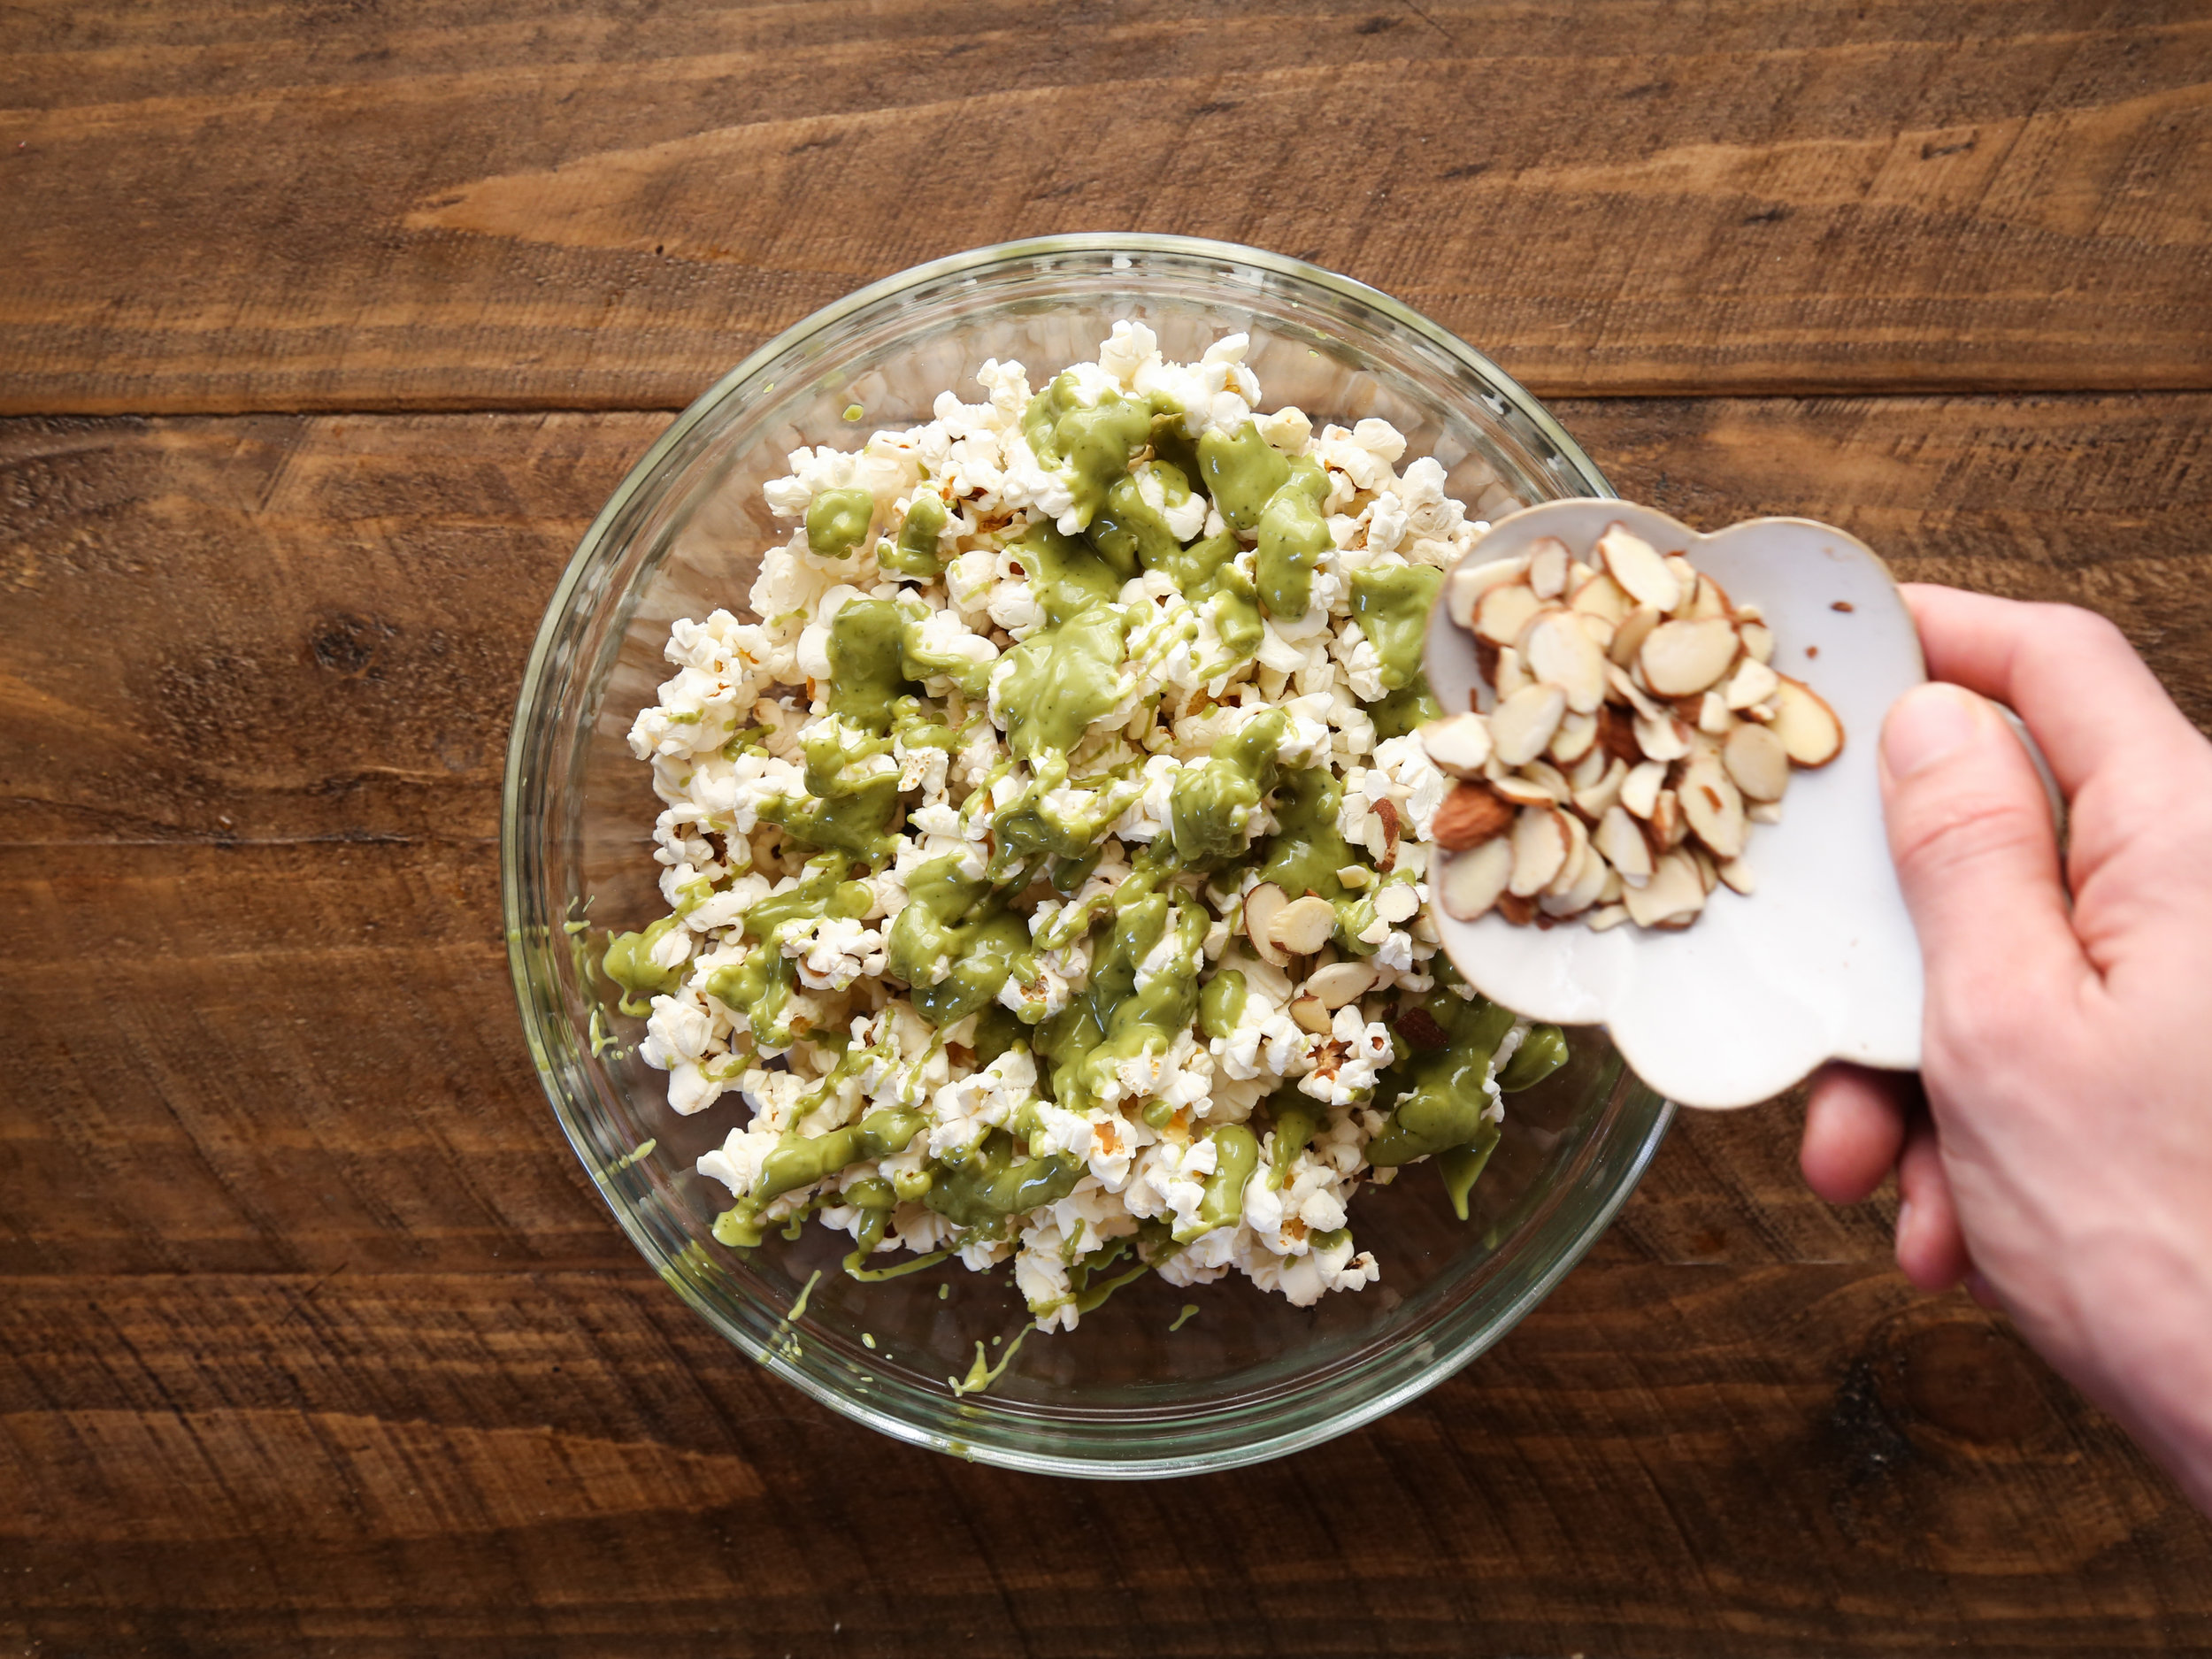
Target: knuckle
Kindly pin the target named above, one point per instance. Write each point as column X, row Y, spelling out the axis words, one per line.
column 1941, row 839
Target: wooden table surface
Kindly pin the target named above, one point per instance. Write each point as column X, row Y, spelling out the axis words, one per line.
column 324, row 330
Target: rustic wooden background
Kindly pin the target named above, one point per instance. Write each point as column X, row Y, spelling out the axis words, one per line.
column 324, row 328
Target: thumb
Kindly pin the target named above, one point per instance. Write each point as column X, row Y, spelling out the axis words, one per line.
column 1977, row 854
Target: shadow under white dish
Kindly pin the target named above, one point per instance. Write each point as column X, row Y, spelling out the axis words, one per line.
column 1821, row 961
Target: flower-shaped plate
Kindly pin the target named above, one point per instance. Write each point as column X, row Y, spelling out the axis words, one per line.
column 1820, row 962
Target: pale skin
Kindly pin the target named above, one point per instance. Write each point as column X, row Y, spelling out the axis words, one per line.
column 2055, row 1153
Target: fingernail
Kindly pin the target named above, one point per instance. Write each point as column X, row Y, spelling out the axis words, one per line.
column 1928, row 725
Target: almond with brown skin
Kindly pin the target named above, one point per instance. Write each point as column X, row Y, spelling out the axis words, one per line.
column 1420, row 1030
column 1680, row 659
column 1466, row 586
column 1471, row 815
column 1505, row 612
column 1475, row 881
column 1523, row 724
column 1547, row 561
column 1757, row 762
column 1806, row 725
column 1262, row 905
column 1636, row 566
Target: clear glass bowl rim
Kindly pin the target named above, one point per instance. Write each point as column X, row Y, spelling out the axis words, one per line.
column 1341, row 1417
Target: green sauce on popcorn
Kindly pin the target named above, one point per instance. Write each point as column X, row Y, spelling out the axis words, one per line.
column 969, row 948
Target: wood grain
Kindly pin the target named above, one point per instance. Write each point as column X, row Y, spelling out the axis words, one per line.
column 1763, row 1460
column 317, row 1339
column 215, row 208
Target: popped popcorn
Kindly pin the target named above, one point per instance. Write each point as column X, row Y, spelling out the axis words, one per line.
column 992, row 845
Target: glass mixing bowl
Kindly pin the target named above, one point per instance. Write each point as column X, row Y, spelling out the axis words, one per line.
column 1248, row 1376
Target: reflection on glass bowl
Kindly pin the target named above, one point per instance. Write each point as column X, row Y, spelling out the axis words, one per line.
column 1248, row 1376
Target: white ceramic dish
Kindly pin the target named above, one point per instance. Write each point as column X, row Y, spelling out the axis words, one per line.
column 1821, row 961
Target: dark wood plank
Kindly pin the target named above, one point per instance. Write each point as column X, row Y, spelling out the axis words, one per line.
column 1773, row 1461
column 316, row 1338
column 217, row 208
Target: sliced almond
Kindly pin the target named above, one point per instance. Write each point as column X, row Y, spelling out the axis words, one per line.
column 1594, row 800
column 1636, row 565
column 1639, row 789
column 1580, row 893
column 1578, row 852
column 1626, row 690
column 1549, row 778
column 1590, row 771
column 1713, row 806
column 1709, row 600
column 1708, row 872
column 1686, row 574
column 1633, row 629
column 1522, row 725
column 1469, row 582
column 1602, row 596
column 1539, row 846
column 1753, row 682
column 1680, row 659
column 1806, row 725
column 1667, row 822
column 1764, row 811
column 1610, row 892
column 1469, row 816
column 1599, row 628
column 1610, row 916
column 1502, row 612
column 1459, row 744
column 1673, row 894
column 1341, row 982
column 1713, row 718
column 1559, row 652
column 1262, row 905
column 1473, row 881
column 1577, row 736
column 1737, row 875
column 1662, row 739
column 1757, row 762
column 1509, row 674
column 1547, row 561
column 1621, row 839
column 1303, row 926
column 1311, row 1014
column 1758, row 641
column 1527, row 791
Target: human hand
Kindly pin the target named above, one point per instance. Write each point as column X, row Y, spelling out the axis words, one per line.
column 2056, row 1154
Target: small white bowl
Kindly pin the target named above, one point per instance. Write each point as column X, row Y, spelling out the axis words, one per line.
column 1821, row 961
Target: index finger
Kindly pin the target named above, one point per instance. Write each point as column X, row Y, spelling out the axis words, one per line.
column 2091, row 701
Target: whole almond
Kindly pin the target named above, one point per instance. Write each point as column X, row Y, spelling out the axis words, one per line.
column 1473, row 881
column 1470, row 816
column 1636, row 565
column 1680, row 659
